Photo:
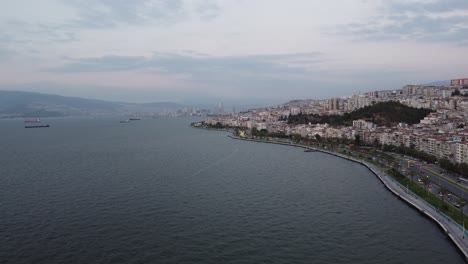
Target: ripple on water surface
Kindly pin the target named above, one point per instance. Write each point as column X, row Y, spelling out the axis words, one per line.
column 157, row 191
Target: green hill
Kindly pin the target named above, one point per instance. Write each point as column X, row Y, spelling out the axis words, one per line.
column 382, row 114
column 28, row 104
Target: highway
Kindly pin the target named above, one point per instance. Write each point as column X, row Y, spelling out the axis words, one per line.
column 437, row 176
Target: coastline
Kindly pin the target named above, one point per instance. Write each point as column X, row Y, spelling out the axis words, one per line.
column 454, row 231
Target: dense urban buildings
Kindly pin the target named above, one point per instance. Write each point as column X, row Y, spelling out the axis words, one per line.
column 459, row 82
column 443, row 133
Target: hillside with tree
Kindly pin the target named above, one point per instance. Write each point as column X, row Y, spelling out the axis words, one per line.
column 382, row 114
column 16, row 104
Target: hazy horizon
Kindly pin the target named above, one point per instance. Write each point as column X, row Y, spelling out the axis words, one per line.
column 204, row 51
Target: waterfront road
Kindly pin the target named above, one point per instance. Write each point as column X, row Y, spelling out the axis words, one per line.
column 421, row 169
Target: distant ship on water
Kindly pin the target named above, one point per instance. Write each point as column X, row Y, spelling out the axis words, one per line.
column 37, row 126
column 34, row 123
column 35, row 120
column 134, row 118
column 125, row 121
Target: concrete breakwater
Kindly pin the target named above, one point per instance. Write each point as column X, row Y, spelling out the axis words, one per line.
column 454, row 231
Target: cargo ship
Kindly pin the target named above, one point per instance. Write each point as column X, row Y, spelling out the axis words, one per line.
column 36, row 126
column 134, row 118
column 36, row 120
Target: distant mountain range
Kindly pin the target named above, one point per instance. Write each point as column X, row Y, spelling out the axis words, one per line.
column 438, row 83
column 28, row 104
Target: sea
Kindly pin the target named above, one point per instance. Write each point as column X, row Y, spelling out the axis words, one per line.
column 94, row 190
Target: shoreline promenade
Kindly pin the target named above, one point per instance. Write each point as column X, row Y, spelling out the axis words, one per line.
column 453, row 230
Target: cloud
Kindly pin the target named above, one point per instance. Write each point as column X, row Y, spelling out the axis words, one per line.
column 195, row 64
column 21, row 39
column 99, row 14
column 233, row 75
column 188, row 75
column 92, row 14
column 18, row 32
column 268, row 75
column 7, row 54
column 21, row 34
column 431, row 6
column 88, row 30
column 424, row 21
column 208, row 9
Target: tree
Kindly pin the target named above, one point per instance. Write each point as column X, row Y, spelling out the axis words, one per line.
column 357, row 139
column 376, row 143
column 263, row 132
column 387, row 148
column 318, row 137
column 254, row 131
column 425, row 181
column 412, row 174
column 456, row 92
column 462, row 202
column 446, row 164
column 383, row 114
column 443, row 191
column 411, row 152
column 463, row 169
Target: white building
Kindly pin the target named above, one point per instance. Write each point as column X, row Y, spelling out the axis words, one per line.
column 363, row 124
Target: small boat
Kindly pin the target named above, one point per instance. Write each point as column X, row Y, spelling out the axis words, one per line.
column 36, row 120
column 134, row 119
column 309, row 150
column 37, row 126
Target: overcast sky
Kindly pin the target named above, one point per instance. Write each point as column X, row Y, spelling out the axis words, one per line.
column 195, row 50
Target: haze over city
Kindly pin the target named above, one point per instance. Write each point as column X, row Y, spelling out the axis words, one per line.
column 234, row 131
column 243, row 51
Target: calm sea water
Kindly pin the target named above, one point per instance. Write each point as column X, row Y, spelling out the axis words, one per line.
column 158, row 191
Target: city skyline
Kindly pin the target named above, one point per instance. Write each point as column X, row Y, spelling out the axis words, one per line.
column 234, row 131
column 201, row 51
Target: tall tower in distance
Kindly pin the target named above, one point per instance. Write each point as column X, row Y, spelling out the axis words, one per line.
column 220, row 107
